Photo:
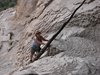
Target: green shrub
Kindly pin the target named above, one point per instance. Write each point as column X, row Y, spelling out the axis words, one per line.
column 4, row 4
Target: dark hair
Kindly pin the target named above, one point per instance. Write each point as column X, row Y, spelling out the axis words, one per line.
column 38, row 32
column 38, row 36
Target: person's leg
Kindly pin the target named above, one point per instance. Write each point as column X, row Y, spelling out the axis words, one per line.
column 37, row 52
column 32, row 53
column 35, row 56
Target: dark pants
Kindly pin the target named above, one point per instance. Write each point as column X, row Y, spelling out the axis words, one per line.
column 35, row 49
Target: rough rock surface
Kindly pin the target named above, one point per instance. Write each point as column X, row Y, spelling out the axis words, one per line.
column 76, row 50
column 62, row 64
column 25, row 8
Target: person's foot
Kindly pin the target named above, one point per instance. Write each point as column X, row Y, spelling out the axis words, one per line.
column 35, row 55
column 31, row 61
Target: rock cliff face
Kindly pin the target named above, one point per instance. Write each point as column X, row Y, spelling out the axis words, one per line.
column 75, row 51
column 25, row 7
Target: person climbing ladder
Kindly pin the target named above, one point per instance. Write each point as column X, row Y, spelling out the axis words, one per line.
column 37, row 42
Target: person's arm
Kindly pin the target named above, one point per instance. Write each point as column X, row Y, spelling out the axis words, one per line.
column 40, row 42
column 43, row 39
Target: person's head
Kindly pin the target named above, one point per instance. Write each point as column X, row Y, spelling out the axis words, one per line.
column 37, row 33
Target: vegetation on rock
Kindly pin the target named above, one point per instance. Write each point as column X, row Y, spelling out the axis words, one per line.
column 4, row 4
